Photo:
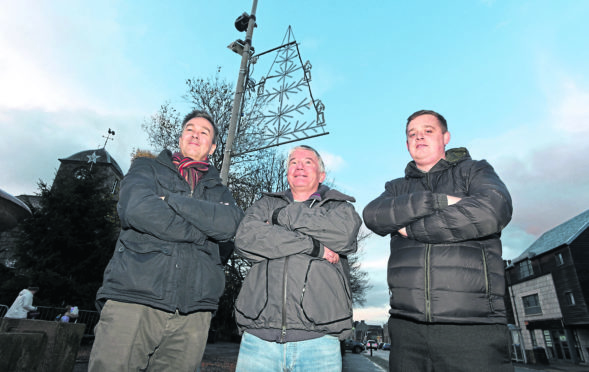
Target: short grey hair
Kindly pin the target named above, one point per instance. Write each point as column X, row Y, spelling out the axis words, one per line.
column 308, row 148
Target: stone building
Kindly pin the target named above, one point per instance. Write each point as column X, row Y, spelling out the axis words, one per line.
column 549, row 292
column 14, row 209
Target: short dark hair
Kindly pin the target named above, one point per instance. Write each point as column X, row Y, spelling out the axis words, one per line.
column 33, row 289
column 205, row 115
column 440, row 118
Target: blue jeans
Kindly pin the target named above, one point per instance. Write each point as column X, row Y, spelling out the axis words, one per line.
column 320, row 354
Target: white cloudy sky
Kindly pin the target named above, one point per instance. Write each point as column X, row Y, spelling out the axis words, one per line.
column 512, row 79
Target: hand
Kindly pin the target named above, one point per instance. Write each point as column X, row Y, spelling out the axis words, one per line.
column 453, row 199
column 330, row 255
column 403, row 232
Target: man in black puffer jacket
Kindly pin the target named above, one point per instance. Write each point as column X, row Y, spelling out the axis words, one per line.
column 445, row 271
column 165, row 277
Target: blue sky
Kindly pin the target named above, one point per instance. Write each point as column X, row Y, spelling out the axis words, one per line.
column 511, row 78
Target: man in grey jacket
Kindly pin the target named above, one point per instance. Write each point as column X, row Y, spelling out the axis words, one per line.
column 295, row 302
column 445, row 271
column 165, row 277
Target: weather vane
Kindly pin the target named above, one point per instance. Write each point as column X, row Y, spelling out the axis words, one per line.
column 108, row 137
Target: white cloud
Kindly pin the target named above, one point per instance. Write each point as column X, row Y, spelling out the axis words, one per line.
column 571, row 114
column 333, row 162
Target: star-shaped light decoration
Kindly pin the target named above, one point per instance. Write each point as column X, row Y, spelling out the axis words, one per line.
column 92, row 158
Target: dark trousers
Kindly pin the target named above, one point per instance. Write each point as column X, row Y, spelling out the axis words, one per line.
column 448, row 347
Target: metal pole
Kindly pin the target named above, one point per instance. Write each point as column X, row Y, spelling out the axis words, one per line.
column 239, row 90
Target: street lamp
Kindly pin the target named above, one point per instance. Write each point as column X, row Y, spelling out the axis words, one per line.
column 243, row 48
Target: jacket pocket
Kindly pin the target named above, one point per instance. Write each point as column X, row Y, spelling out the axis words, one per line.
column 210, row 276
column 326, row 296
column 253, row 297
column 139, row 269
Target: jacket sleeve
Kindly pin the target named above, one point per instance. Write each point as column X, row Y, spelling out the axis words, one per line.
column 142, row 209
column 485, row 210
column 216, row 219
column 257, row 239
column 28, row 302
column 392, row 210
column 335, row 227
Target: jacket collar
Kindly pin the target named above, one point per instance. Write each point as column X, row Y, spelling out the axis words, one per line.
column 324, row 191
column 210, row 176
column 453, row 157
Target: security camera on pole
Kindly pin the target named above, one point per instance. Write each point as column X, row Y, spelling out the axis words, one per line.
column 242, row 48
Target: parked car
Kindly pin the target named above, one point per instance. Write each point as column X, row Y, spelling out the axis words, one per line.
column 371, row 344
column 355, row 346
column 386, row 346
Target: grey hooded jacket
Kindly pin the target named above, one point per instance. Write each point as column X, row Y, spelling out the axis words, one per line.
column 449, row 267
column 291, row 293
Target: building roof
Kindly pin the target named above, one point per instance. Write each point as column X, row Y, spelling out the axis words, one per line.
column 12, row 210
column 562, row 234
column 98, row 156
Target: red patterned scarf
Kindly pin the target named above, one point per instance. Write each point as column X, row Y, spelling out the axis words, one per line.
column 191, row 170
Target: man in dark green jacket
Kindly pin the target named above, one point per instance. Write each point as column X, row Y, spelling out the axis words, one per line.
column 295, row 303
column 165, row 277
column 445, row 271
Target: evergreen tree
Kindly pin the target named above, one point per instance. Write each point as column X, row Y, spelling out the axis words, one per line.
column 66, row 244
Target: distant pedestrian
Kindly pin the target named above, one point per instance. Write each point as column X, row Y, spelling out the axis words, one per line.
column 70, row 314
column 445, row 271
column 23, row 304
column 295, row 302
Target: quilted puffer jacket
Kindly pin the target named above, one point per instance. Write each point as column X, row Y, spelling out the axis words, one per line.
column 449, row 267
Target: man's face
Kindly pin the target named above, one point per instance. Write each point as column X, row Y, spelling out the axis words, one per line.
column 304, row 174
column 426, row 142
column 196, row 140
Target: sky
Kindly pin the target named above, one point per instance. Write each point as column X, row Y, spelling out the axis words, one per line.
column 511, row 78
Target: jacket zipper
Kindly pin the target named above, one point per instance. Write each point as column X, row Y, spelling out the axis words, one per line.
column 428, row 310
column 487, row 289
column 284, row 281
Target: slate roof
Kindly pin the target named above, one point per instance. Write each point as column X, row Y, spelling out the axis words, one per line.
column 562, row 234
column 12, row 210
column 97, row 156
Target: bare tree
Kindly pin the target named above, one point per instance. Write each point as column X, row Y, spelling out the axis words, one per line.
column 359, row 282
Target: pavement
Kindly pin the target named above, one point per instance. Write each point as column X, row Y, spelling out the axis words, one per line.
column 222, row 357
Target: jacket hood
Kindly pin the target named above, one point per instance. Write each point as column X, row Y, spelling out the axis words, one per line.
column 453, row 157
column 325, row 193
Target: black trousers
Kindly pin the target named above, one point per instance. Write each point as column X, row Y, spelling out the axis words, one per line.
column 448, row 347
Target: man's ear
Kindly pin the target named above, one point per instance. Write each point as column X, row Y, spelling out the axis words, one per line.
column 322, row 177
column 213, row 148
column 446, row 138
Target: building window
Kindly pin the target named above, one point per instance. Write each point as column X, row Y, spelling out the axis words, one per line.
column 569, row 298
column 533, row 337
column 532, row 305
column 525, row 269
column 559, row 259
column 114, row 186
